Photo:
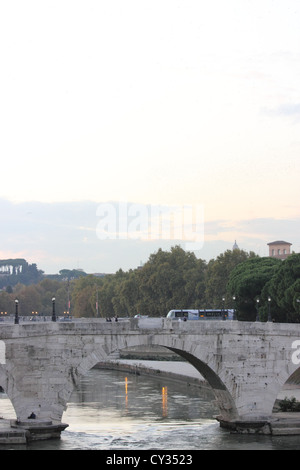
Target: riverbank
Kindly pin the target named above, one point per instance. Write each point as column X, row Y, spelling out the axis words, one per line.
column 177, row 370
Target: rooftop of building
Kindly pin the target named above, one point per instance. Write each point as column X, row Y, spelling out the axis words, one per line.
column 280, row 242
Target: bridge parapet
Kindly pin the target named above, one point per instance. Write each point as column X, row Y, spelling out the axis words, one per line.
column 100, row 326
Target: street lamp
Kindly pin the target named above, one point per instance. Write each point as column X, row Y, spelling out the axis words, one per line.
column 16, row 314
column 269, row 309
column 223, row 308
column 257, row 311
column 234, row 299
column 53, row 309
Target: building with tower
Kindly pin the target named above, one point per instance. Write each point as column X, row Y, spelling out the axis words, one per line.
column 279, row 249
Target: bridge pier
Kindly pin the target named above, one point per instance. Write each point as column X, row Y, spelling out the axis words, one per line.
column 246, row 426
column 39, row 429
column 279, row 424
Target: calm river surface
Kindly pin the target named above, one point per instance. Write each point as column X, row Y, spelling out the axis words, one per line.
column 113, row 410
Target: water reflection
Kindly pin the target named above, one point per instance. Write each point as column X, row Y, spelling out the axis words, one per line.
column 164, row 393
column 112, row 393
column 126, row 393
column 113, row 410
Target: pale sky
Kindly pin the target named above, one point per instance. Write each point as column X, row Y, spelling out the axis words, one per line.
column 159, row 102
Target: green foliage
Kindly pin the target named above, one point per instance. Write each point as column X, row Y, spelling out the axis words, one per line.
column 289, row 405
column 170, row 279
column 284, row 289
column 246, row 282
column 84, row 296
column 218, row 274
column 71, row 273
column 36, row 298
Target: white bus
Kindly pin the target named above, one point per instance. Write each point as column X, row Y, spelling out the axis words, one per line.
column 201, row 314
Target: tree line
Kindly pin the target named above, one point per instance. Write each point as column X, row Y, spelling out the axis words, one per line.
column 172, row 279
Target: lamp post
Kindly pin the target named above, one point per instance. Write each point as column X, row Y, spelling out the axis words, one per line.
column 223, row 308
column 16, row 313
column 234, row 299
column 269, row 309
column 53, row 309
column 257, row 311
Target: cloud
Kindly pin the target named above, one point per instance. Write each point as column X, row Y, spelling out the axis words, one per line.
column 250, row 234
column 64, row 235
column 288, row 110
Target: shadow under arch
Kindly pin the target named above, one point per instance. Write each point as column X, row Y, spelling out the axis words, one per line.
column 294, row 378
column 224, row 399
column 210, row 376
column 287, row 390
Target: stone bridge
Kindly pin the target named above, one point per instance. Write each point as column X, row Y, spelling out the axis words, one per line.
column 245, row 363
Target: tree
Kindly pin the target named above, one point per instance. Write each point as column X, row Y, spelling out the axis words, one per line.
column 246, row 282
column 71, row 273
column 170, row 280
column 47, row 289
column 7, row 304
column 106, row 293
column 284, row 290
column 83, row 296
column 29, row 300
column 127, row 300
column 218, row 272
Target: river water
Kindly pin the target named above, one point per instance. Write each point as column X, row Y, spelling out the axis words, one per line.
column 118, row 411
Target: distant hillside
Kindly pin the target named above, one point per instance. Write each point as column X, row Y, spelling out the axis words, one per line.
column 14, row 271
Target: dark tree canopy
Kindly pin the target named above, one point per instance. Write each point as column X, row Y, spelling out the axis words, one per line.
column 246, row 282
column 284, row 290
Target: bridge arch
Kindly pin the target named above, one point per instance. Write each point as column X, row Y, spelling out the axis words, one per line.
column 3, row 375
column 289, row 379
column 223, row 397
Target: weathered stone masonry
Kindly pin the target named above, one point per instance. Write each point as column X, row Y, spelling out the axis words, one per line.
column 245, row 363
